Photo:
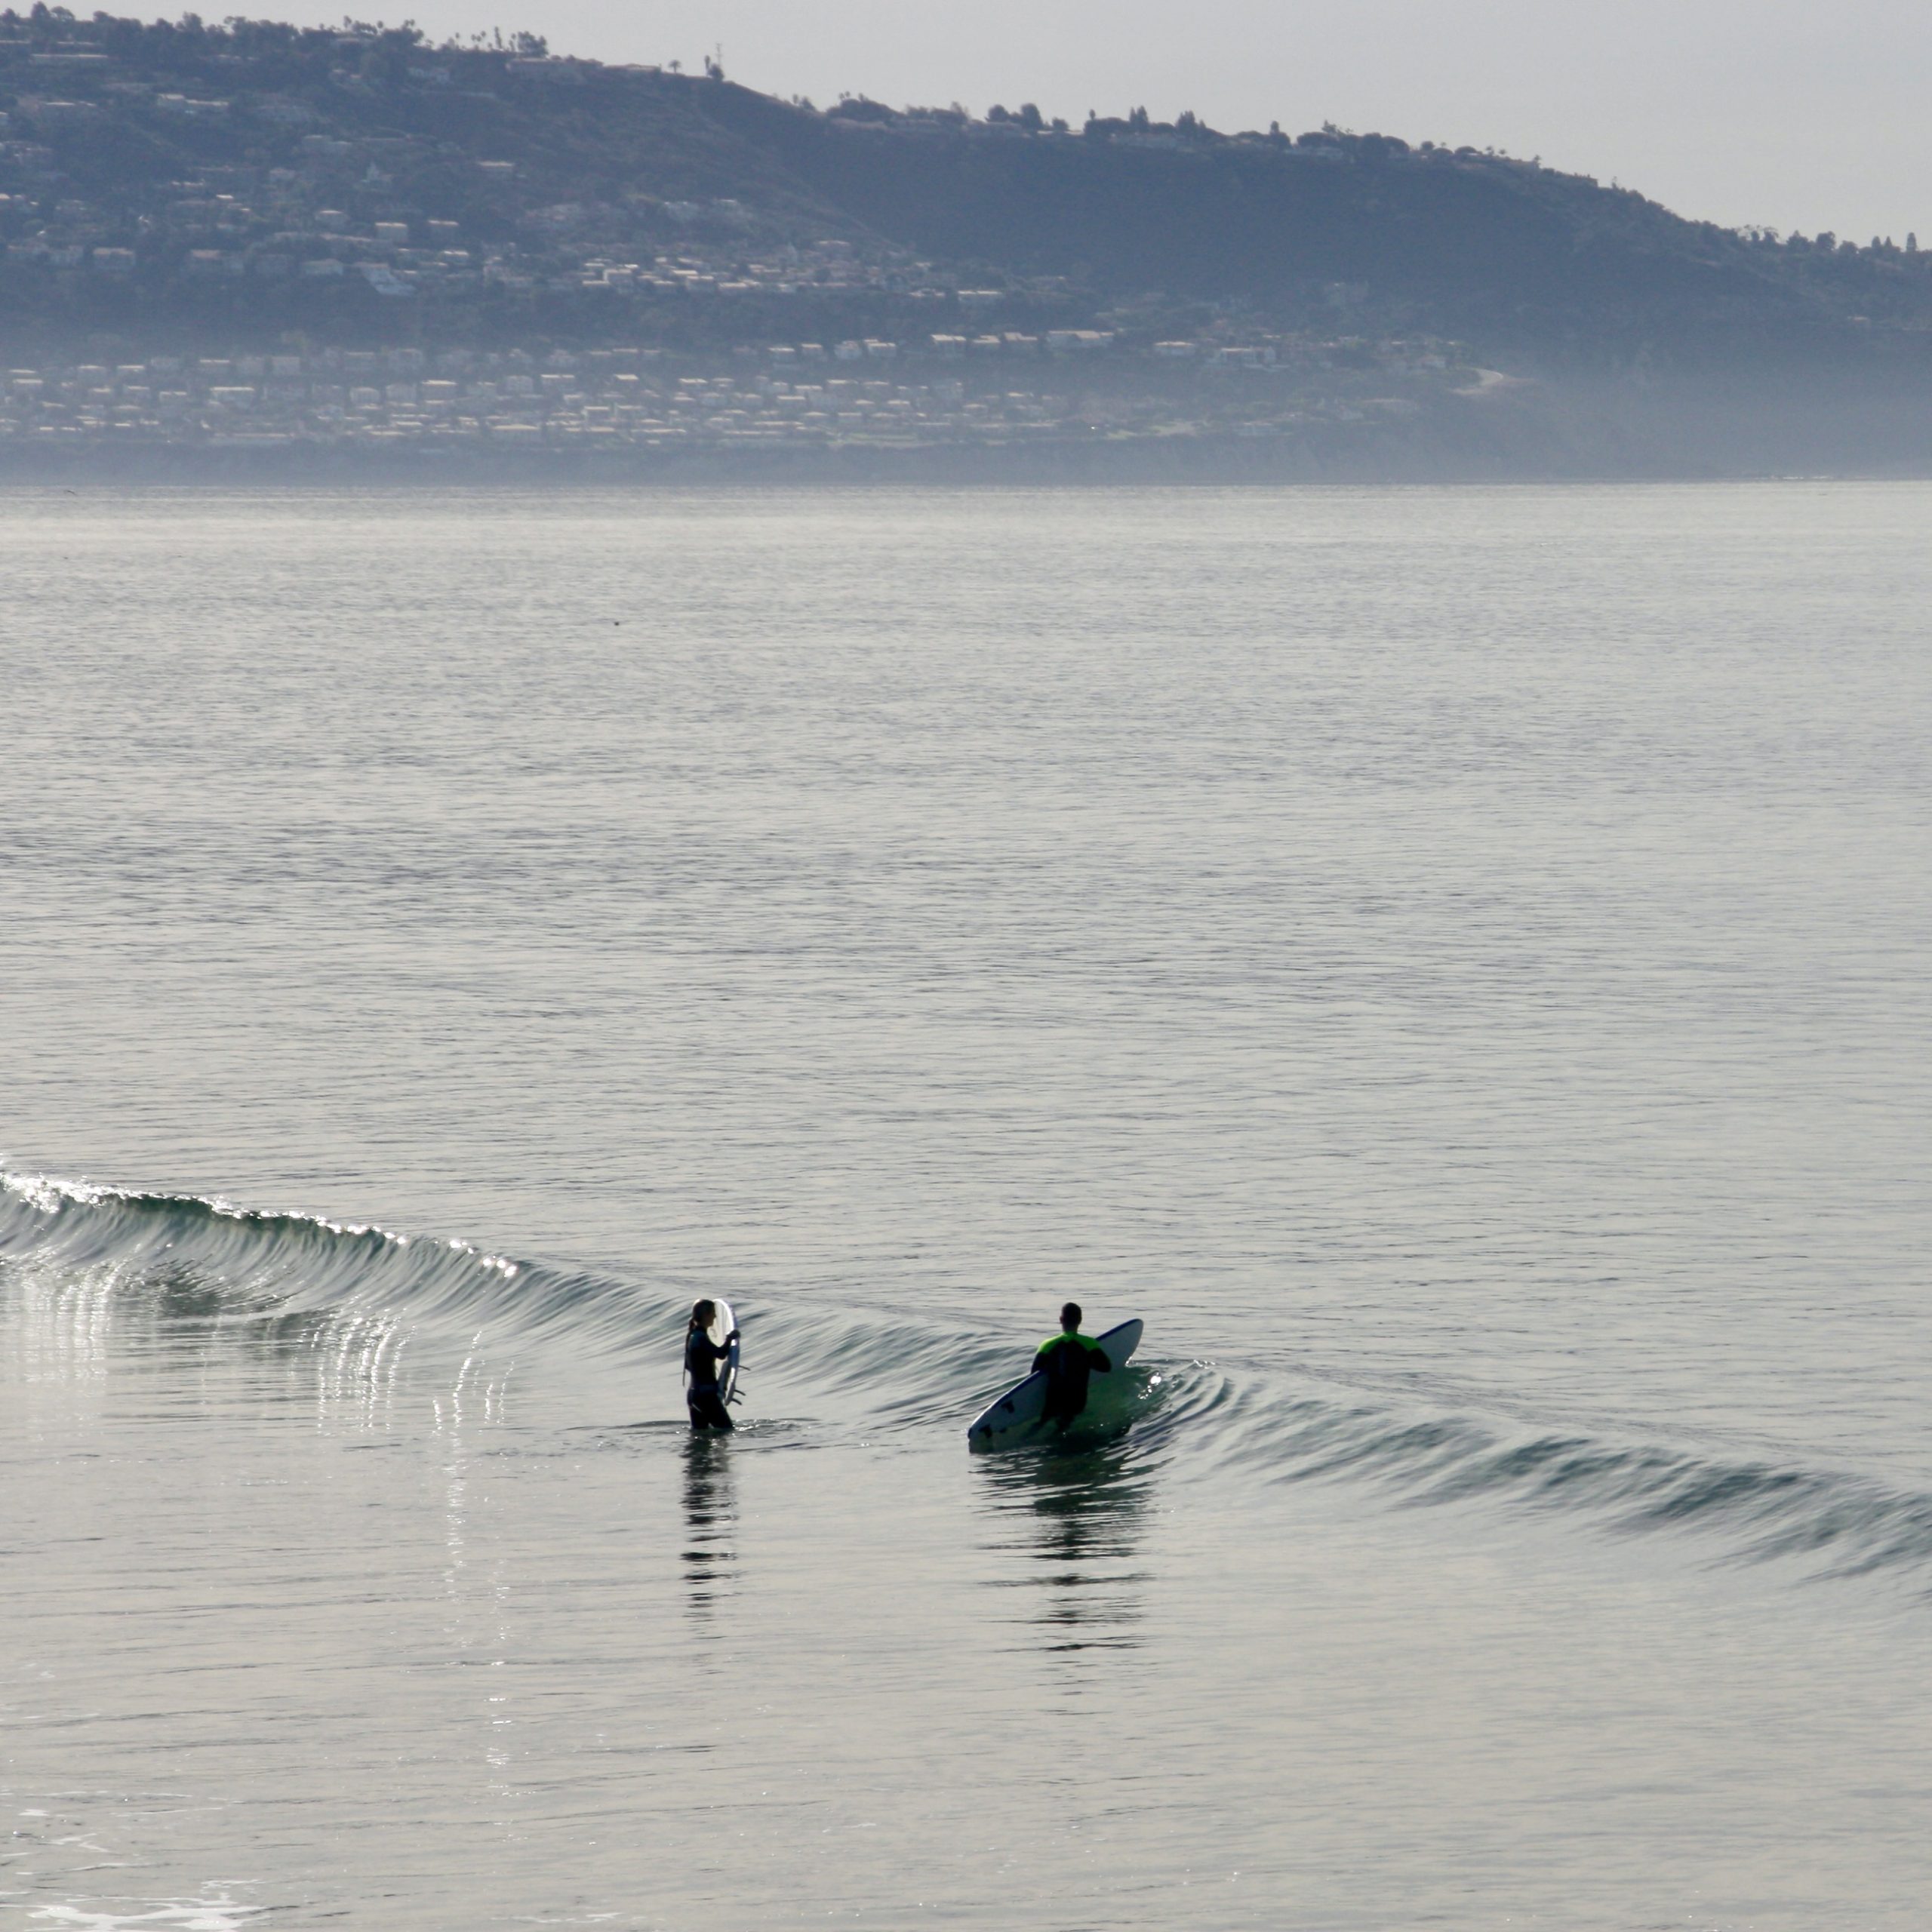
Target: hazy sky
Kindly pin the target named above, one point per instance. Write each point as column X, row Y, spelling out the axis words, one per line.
column 1810, row 114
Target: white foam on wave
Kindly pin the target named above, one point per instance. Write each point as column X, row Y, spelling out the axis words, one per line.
column 50, row 1193
column 221, row 1914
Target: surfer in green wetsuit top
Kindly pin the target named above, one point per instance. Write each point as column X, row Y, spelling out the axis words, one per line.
column 1066, row 1360
column 702, row 1357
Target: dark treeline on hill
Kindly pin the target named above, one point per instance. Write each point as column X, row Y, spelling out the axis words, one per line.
column 1515, row 255
column 172, row 190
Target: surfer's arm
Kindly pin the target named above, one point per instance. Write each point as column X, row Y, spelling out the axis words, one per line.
column 1100, row 1361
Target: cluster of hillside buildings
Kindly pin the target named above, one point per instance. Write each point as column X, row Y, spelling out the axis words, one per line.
column 282, row 225
column 335, row 219
column 800, row 394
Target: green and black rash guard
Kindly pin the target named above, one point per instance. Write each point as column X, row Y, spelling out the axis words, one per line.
column 702, row 1357
column 1067, row 1360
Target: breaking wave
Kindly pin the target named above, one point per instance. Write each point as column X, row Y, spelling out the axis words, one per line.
column 250, row 1267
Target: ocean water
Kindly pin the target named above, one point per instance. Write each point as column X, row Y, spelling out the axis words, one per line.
column 1453, row 962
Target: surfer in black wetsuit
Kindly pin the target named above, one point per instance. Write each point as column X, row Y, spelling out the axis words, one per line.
column 702, row 1357
column 1067, row 1360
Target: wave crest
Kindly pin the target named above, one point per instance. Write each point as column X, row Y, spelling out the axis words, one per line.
column 1190, row 1419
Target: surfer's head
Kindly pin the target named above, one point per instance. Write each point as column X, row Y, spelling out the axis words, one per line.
column 1069, row 1317
column 703, row 1313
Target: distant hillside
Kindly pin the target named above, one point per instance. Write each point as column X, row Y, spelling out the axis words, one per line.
column 259, row 179
column 1458, row 241
column 310, row 251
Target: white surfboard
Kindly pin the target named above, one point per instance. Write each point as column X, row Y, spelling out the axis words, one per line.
column 1009, row 1419
column 722, row 1323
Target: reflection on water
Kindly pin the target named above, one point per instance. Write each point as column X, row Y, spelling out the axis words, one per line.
column 1076, row 1516
column 57, row 1326
column 118, row 1343
column 711, row 1521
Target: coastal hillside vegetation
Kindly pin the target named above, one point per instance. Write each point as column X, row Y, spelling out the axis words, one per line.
column 254, row 179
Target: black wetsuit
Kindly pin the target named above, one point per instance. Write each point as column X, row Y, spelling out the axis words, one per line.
column 1067, row 1360
column 704, row 1398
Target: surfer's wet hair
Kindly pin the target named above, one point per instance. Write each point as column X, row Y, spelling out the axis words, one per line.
column 1070, row 1316
column 702, row 1313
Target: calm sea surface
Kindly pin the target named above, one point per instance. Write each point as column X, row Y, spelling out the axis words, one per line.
column 1455, row 962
